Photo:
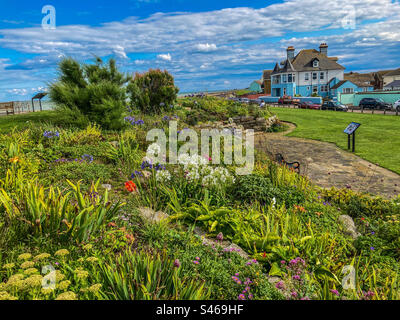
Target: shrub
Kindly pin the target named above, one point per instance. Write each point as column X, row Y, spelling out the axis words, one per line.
column 95, row 91
column 255, row 188
column 153, row 91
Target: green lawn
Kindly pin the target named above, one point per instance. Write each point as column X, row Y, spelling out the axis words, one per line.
column 377, row 140
column 7, row 123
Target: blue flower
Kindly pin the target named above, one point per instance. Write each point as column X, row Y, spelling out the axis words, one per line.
column 88, row 158
column 136, row 174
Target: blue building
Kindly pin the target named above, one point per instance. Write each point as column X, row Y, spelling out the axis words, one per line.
column 309, row 73
column 338, row 88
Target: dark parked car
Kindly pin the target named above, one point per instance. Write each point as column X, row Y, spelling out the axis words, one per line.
column 309, row 105
column 374, row 103
column 332, row 105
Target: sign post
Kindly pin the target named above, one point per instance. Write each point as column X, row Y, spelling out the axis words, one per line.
column 351, row 131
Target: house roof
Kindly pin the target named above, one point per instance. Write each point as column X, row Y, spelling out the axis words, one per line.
column 393, row 84
column 303, row 62
column 339, row 84
column 393, row 73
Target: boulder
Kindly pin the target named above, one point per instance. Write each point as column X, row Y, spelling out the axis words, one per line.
column 349, row 226
column 151, row 216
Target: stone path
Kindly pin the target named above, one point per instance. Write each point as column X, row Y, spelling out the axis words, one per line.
column 327, row 165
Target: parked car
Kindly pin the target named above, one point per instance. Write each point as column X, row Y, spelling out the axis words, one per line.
column 309, row 105
column 374, row 103
column 396, row 105
column 333, row 105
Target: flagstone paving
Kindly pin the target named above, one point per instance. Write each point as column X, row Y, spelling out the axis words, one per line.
column 328, row 166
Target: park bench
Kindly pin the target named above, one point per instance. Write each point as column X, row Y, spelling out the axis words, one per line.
column 8, row 107
column 295, row 166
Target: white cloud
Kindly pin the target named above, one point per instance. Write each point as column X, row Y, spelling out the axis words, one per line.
column 236, row 40
column 206, row 47
column 166, row 57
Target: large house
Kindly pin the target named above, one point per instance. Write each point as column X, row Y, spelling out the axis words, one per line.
column 311, row 72
column 390, row 77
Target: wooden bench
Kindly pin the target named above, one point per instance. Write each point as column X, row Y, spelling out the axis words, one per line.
column 8, row 107
column 295, row 166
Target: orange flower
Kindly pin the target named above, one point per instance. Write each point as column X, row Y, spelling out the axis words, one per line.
column 301, row 209
column 319, row 214
column 130, row 186
column 14, row 160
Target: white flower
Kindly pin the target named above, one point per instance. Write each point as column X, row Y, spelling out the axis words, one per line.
column 163, row 176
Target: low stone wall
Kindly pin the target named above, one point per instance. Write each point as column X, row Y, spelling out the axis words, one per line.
column 257, row 124
column 242, row 123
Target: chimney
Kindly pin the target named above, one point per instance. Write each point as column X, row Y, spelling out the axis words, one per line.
column 323, row 48
column 290, row 53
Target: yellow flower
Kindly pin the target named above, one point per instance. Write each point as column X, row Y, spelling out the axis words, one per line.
column 15, row 281
column 92, row 259
column 69, row 295
column 61, row 253
column 9, row 266
column 34, row 281
column 24, row 256
column 46, row 291
column 63, row 285
column 81, row 274
column 14, row 160
column 95, row 288
column 27, row 264
column 31, row 271
column 6, row 296
column 42, row 256
column 88, row 247
column 59, row 276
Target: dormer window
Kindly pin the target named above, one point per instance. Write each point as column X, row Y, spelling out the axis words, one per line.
column 315, row 63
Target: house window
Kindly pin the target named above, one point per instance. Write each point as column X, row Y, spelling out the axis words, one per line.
column 322, row 75
column 308, row 88
column 315, row 89
column 307, row 76
column 284, row 91
column 294, row 78
column 365, row 89
column 348, row 90
column 315, row 63
column 314, row 76
column 324, row 88
column 276, row 79
column 290, row 78
column 284, row 78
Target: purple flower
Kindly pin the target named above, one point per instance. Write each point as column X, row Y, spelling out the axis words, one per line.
column 296, row 277
column 372, row 248
column 220, row 237
column 242, row 297
column 280, row 285
column 335, row 292
column 177, row 263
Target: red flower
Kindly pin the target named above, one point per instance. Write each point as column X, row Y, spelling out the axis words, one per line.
column 130, row 186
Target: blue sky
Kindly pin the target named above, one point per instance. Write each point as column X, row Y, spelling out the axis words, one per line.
column 206, row 44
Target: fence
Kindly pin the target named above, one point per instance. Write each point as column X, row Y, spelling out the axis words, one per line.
column 26, row 106
column 353, row 99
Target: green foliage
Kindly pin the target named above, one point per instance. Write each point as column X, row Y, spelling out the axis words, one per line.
column 43, row 212
column 96, row 92
column 153, row 91
column 141, row 275
column 255, row 188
